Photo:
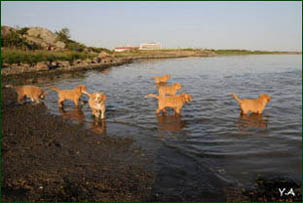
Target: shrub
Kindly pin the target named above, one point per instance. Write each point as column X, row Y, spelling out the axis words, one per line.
column 11, row 56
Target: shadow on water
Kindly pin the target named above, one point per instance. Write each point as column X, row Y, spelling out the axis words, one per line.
column 75, row 115
column 252, row 121
column 170, row 123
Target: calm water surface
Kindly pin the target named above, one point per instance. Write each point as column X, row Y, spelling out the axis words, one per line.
column 211, row 144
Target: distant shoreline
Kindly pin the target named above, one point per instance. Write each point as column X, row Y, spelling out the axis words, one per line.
column 121, row 58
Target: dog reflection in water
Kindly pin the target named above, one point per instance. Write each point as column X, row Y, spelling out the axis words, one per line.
column 76, row 114
column 98, row 126
column 170, row 123
column 252, row 121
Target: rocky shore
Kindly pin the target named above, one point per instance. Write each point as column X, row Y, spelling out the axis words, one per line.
column 63, row 66
column 102, row 61
column 45, row 158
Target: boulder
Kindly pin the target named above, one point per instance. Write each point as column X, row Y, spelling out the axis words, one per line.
column 60, row 45
column 63, row 63
column 96, row 60
column 103, row 54
column 42, row 33
column 41, row 66
column 6, row 30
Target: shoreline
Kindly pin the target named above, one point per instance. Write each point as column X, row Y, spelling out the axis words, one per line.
column 24, row 70
column 47, row 158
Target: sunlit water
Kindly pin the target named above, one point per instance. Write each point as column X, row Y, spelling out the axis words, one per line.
column 210, row 142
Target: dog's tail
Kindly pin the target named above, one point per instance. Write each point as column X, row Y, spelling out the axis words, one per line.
column 236, row 98
column 54, row 88
column 152, row 95
column 9, row 86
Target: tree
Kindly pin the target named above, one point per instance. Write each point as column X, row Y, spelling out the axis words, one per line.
column 63, row 35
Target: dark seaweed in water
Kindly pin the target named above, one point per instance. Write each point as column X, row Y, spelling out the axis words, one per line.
column 47, row 159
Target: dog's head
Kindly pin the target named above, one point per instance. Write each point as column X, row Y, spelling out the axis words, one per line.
column 98, row 97
column 186, row 97
column 265, row 97
column 178, row 86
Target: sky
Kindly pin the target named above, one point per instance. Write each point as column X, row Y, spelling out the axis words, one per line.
column 275, row 26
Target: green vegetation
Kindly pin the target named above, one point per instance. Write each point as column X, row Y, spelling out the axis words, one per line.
column 15, row 40
column 64, row 36
column 14, row 56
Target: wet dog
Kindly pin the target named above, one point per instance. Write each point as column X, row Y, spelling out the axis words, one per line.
column 97, row 103
column 169, row 89
column 175, row 102
column 162, row 79
column 73, row 94
column 34, row 93
column 253, row 105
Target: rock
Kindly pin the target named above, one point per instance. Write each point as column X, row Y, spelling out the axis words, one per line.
column 77, row 62
column 63, row 63
column 37, row 41
column 60, row 45
column 6, row 30
column 103, row 54
column 96, row 60
column 41, row 66
column 88, row 60
column 42, row 33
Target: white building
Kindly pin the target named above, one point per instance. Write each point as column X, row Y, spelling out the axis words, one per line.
column 150, row 46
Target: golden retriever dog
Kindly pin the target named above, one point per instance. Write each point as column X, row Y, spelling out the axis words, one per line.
column 253, row 105
column 175, row 102
column 34, row 93
column 97, row 104
column 73, row 94
column 169, row 89
column 162, row 79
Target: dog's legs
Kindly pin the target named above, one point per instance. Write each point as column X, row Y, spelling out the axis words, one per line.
column 76, row 101
column 102, row 114
column 60, row 103
column 158, row 111
column 177, row 111
column 243, row 112
column 94, row 112
column 20, row 98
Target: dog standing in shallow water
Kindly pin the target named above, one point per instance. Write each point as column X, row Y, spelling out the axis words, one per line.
column 169, row 89
column 175, row 102
column 97, row 104
column 162, row 79
column 73, row 94
column 253, row 105
column 33, row 92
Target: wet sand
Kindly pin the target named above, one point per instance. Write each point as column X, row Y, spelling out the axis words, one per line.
column 48, row 159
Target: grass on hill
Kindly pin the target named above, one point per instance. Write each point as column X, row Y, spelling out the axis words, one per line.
column 14, row 56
